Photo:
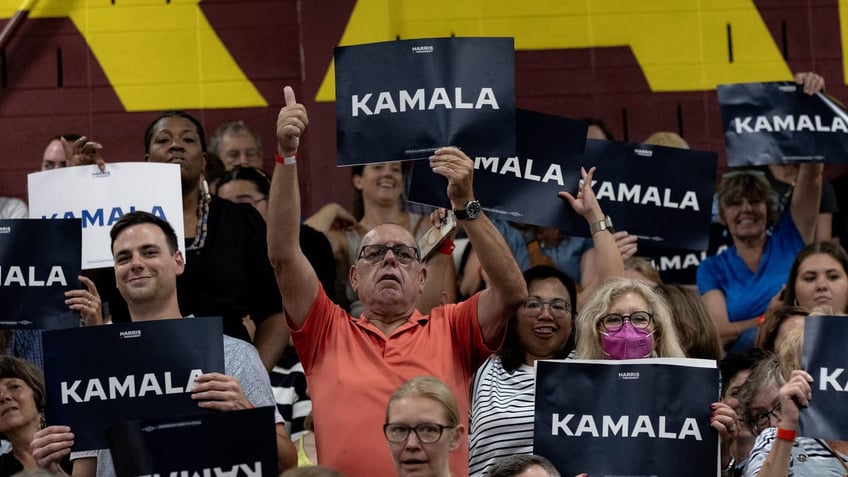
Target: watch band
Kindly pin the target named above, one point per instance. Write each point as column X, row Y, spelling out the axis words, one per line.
column 601, row 225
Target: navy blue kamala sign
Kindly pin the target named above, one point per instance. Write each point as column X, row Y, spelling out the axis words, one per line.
column 39, row 261
column 127, row 371
column 774, row 123
column 645, row 417
column 401, row 100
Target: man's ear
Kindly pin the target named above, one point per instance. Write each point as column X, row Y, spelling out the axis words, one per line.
column 353, row 276
column 423, row 279
column 180, row 261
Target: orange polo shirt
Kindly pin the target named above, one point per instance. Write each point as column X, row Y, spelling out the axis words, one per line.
column 352, row 369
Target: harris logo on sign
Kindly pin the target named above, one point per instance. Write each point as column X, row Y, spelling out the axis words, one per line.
column 628, row 375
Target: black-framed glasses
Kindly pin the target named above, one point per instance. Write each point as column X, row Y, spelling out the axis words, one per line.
column 427, row 433
column 614, row 321
column 762, row 420
column 559, row 306
column 376, row 253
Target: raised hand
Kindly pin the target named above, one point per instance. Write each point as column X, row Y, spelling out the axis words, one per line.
column 794, row 395
column 458, row 168
column 812, row 82
column 87, row 302
column 585, row 203
column 291, row 123
column 83, row 152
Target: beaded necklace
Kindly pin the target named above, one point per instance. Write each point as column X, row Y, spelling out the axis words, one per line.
column 202, row 217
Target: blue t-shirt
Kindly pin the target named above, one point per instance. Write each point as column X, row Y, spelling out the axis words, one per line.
column 566, row 254
column 748, row 293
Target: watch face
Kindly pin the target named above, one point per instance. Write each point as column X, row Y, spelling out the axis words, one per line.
column 473, row 209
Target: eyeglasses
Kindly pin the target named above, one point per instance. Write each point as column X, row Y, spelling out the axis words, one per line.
column 559, row 306
column 427, row 433
column 614, row 321
column 763, row 420
column 404, row 254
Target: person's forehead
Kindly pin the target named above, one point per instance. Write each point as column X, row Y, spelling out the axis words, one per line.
column 235, row 187
column 818, row 260
column 382, row 165
column 765, row 397
column 175, row 123
column 416, row 406
column 54, row 150
column 629, row 298
column 738, row 194
column 240, row 137
column 138, row 235
column 388, row 234
column 548, row 285
column 534, row 471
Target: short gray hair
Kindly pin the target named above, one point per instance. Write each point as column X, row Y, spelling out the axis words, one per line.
column 513, row 465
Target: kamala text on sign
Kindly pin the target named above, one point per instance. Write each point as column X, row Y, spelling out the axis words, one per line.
column 652, row 414
column 403, row 99
column 522, row 187
column 118, row 387
column 439, row 98
column 823, row 356
column 776, row 122
column 100, row 199
column 35, row 273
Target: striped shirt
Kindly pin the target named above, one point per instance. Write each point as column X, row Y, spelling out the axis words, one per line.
column 502, row 412
column 288, row 382
column 810, row 457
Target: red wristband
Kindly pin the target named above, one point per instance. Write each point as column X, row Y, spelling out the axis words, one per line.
column 786, row 434
column 447, row 247
column 287, row 161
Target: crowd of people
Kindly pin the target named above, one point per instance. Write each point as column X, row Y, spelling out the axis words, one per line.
column 381, row 363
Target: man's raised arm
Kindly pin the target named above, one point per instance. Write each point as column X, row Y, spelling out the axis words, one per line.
column 297, row 280
column 506, row 284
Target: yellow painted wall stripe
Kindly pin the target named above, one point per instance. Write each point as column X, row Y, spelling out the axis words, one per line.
column 156, row 56
column 681, row 45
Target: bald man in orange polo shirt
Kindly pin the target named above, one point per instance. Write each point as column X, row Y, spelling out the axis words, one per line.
column 354, row 364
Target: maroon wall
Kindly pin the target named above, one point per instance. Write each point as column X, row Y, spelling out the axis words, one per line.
column 278, row 42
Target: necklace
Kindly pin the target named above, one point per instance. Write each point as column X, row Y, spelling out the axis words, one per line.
column 202, row 217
